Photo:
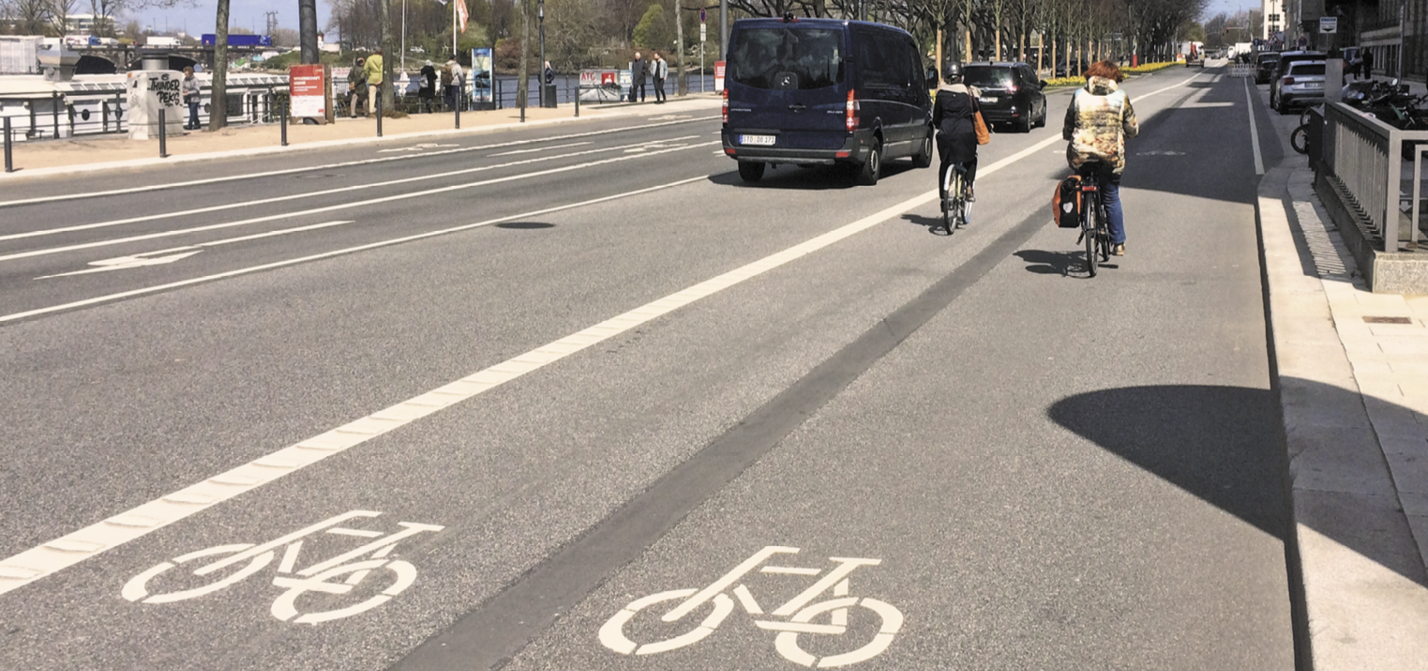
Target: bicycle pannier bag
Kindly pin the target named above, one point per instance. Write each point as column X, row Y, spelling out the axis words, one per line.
column 1066, row 202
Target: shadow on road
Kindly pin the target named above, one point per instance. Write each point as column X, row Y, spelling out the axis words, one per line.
column 1226, row 446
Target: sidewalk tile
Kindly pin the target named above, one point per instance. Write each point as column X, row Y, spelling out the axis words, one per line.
column 1405, row 345
column 1415, row 330
column 1338, row 459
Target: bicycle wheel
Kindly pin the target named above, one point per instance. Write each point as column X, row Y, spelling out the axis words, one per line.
column 612, row 633
column 1103, row 233
column 285, row 607
column 1090, row 232
column 137, row 588
column 1299, row 139
column 949, row 186
column 889, row 620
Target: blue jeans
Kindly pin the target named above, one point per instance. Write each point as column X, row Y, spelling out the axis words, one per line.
column 193, row 115
column 1111, row 196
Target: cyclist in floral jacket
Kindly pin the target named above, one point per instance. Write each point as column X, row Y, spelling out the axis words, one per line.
column 1098, row 121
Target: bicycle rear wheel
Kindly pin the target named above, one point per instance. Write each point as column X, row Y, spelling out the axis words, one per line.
column 1090, row 231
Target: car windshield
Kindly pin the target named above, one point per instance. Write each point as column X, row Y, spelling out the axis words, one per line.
column 987, row 77
column 787, row 58
column 1301, row 69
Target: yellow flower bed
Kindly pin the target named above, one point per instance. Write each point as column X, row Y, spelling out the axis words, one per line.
column 1081, row 81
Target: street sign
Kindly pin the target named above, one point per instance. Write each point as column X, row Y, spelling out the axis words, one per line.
column 703, row 31
column 1328, row 24
column 701, row 15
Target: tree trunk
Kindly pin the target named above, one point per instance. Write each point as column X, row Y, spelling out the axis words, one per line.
column 218, row 100
column 307, row 30
column 681, row 87
column 387, row 69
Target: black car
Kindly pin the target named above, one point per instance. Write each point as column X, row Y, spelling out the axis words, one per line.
column 1008, row 93
column 1264, row 66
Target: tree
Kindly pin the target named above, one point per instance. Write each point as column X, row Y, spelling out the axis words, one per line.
column 653, row 30
column 31, row 17
column 59, row 13
column 218, row 108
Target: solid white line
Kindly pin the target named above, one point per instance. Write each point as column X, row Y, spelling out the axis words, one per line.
column 1172, row 86
column 1254, row 132
column 532, row 151
column 341, row 206
column 38, row 562
column 311, row 194
column 328, row 166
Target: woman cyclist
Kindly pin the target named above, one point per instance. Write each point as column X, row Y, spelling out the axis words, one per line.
column 1098, row 122
column 956, row 134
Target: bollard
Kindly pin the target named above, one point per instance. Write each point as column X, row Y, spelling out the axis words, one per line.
column 283, row 112
column 9, row 157
column 54, row 107
column 577, row 101
column 163, row 135
column 457, row 109
column 378, row 105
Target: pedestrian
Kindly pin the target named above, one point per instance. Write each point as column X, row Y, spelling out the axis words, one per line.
column 374, row 77
column 1098, row 122
column 661, row 71
column 1366, row 67
column 447, row 98
column 549, row 73
column 458, row 85
column 637, row 79
column 426, row 94
column 357, row 87
column 191, row 97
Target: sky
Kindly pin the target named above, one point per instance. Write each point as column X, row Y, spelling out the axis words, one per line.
column 1230, row 6
column 251, row 14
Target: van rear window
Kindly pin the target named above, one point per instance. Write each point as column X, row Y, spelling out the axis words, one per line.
column 787, row 58
column 1306, row 69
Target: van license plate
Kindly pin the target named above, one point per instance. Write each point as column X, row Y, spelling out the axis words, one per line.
column 766, row 140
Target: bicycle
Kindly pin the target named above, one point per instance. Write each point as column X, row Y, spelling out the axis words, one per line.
column 1095, row 232
column 799, row 612
column 956, row 205
column 311, row 579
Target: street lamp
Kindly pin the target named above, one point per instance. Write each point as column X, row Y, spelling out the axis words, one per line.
column 540, row 16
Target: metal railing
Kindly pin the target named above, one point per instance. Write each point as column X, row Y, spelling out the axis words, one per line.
column 1361, row 156
column 1241, row 69
column 95, row 108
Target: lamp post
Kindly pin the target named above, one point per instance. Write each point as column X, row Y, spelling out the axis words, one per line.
column 540, row 17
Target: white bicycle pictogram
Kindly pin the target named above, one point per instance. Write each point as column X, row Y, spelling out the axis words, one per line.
column 799, row 612
column 314, row 578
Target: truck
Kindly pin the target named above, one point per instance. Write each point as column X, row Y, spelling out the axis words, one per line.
column 160, row 42
column 210, row 39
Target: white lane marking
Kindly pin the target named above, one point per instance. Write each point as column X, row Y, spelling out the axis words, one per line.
column 299, row 196
column 1254, row 132
column 341, row 206
column 532, row 151
column 417, row 147
column 1172, row 86
column 328, row 166
column 36, row 563
column 153, row 258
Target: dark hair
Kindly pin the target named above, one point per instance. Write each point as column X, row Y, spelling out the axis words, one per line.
column 1104, row 69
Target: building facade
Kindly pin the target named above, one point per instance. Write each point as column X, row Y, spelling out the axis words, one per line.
column 1395, row 31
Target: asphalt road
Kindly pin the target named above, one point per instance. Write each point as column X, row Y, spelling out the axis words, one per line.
column 602, row 369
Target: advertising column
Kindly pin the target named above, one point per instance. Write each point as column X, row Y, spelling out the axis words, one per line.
column 148, row 92
column 481, row 92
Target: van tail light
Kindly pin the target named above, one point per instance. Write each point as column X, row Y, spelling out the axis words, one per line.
column 1287, row 81
column 850, row 120
column 726, row 104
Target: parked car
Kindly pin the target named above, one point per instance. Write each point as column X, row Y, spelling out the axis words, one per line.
column 824, row 92
column 1281, row 65
column 1008, row 93
column 1264, row 66
column 1301, row 84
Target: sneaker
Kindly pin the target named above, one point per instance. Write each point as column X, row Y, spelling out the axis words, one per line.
column 1118, row 250
column 971, row 195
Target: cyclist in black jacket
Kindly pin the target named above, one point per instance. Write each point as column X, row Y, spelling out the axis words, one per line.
column 952, row 114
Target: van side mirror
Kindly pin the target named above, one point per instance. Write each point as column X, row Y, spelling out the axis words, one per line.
column 932, row 78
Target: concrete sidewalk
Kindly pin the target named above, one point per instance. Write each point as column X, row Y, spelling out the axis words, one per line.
column 105, row 152
column 1353, row 377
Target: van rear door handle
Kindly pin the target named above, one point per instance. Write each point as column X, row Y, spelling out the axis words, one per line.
column 797, row 107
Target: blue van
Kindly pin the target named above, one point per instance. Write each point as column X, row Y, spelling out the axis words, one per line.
column 825, row 91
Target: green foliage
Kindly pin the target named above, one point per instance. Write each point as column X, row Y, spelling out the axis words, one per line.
column 653, row 31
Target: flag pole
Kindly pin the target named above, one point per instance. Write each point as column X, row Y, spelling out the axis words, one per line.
column 453, row 33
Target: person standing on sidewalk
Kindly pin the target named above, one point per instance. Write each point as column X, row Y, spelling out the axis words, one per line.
column 637, row 79
column 427, row 92
column 374, row 76
column 661, row 70
column 1366, row 67
column 357, row 86
column 458, row 85
column 191, row 97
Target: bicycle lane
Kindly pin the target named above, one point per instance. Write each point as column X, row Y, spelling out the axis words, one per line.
column 1052, row 472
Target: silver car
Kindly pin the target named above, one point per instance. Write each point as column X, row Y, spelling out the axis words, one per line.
column 1301, row 84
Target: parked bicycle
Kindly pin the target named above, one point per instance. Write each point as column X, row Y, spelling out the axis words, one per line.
column 315, row 578
column 792, row 619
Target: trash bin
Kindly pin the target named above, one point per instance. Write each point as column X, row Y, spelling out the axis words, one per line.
column 548, row 95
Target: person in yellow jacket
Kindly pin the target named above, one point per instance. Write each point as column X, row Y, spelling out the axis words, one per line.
column 373, row 68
